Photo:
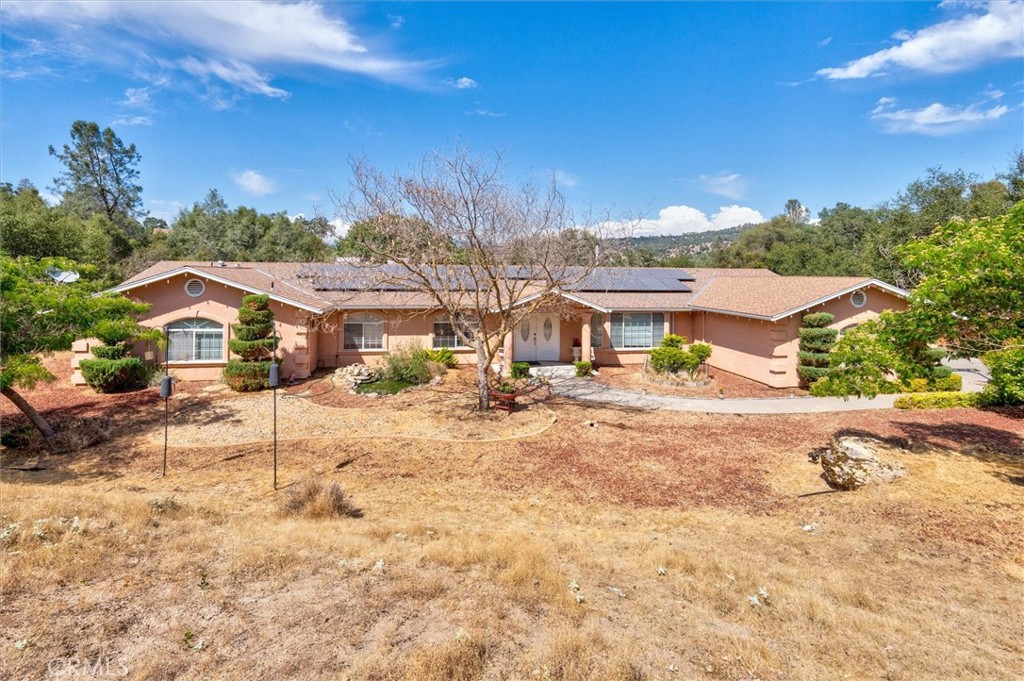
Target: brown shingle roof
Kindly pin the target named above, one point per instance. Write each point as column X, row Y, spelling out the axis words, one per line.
column 770, row 297
column 748, row 292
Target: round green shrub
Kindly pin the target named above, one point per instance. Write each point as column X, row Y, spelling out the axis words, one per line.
column 115, row 375
column 520, row 370
column 251, row 333
column 247, row 376
column 114, row 331
column 251, row 317
column 815, row 333
column 252, row 351
column 814, row 359
column 817, row 320
column 118, row 351
column 256, row 301
column 811, row 374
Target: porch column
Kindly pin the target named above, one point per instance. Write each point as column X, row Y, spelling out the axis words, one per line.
column 506, row 364
column 585, row 354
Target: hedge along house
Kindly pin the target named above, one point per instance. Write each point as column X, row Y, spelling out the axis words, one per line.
column 331, row 315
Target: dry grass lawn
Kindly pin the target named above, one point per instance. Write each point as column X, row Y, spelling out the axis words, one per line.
column 615, row 544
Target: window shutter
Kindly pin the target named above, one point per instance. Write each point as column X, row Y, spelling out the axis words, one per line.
column 657, row 328
column 617, row 330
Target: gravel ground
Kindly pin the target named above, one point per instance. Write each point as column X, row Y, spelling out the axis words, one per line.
column 249, row 418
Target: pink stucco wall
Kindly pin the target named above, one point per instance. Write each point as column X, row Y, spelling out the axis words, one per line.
column 760, row 350
column 220, row 303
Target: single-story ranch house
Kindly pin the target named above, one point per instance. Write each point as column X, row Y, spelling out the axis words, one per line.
column 750, row 316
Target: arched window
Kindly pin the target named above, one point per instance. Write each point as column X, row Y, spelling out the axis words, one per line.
column 195, row 340
column 364, row 331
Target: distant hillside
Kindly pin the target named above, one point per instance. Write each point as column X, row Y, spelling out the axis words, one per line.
column 694, row 243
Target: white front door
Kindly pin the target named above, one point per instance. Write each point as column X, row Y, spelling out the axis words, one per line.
column 536, row 339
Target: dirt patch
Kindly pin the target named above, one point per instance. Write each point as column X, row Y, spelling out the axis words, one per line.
column 617, row 544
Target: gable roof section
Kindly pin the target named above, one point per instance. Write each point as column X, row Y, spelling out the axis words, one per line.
column 271, row 279
column 777, row 297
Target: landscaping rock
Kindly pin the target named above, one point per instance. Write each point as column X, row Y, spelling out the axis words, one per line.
column 353, row 375
column 852, row 462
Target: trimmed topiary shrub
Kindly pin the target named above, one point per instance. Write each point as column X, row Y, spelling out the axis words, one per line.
column 246, row 376
column 119, row 351
column 816, row 343
column 520, row 370
column 253, row 343
column 114, row 370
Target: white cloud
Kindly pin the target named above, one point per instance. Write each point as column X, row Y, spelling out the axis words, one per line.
column 238, row 43
column 239, row 74
column 463, row 83
column 935, row 119
column 996, row 32
column 253, row 182
column 730, row 185
column 565, row 178
column 133, row 120
column 485, row 112
column 396, row 21
column 825, row 42
column 686, row 219
column 136, row 97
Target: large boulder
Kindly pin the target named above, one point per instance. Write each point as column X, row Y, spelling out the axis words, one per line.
column 852, row 462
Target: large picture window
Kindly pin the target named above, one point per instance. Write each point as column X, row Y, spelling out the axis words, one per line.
column 637, row 329
column 195, row 340
column 445, row 335
column 364, row 331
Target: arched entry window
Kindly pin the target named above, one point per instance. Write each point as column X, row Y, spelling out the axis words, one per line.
column 195, row 340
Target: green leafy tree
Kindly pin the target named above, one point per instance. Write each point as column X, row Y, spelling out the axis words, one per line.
column 41, row 316
column 100, row 173
column 30, row 227
column 969, row 297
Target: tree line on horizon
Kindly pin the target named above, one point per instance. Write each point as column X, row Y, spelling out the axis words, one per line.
column 99, row 221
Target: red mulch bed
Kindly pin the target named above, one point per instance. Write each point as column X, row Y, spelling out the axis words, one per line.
column 731, row 385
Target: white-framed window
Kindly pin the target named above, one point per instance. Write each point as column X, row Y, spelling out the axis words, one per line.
column 858, row 298
column 364, row 331
column 639, row 330
column 596, row 330
column 195, row 287
column 445, row 335
column 195, row 340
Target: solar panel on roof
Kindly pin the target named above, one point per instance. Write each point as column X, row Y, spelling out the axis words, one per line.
column 391, row 277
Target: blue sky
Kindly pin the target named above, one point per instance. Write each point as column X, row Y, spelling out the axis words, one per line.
column 699, row 115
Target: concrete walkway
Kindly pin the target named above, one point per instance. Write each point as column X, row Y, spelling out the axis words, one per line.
column 589, row 391
column 564, row 383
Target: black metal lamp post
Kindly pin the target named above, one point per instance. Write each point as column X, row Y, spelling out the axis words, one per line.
column 273, row 381
column 165, row 392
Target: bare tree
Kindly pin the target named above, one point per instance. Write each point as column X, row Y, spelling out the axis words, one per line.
column 485, row 251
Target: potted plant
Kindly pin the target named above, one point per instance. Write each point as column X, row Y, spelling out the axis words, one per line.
column 577, row 349
column 504, row 395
